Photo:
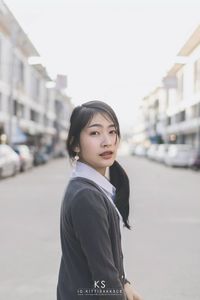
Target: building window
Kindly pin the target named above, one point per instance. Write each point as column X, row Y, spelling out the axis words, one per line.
column 35, row 90
column 169, row 121
column 8, row 101
column 15, row 107
column 196, row 111
column 21, row 111
column 45, row 121
column 181, row 139
column 197, row 76
column 19, row 73
column 34, row 116
column 182, row 116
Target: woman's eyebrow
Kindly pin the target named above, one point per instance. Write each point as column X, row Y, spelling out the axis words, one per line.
column 99, row 125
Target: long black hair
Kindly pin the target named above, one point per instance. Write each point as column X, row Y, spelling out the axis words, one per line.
column 80, row 117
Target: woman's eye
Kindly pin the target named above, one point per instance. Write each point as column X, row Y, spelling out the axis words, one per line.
column 97, row 133
column 113, row 131
column 94, row 133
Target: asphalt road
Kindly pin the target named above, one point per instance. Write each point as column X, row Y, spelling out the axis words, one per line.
column 161, row 252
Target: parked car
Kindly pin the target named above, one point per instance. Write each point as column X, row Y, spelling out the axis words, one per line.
column 132, row 149
column 140, row 150
column 179, row 155
column 151, row 152
column 40, row 157
column 9, row 161
column 161, row 152
column 26, row 158
column 195, row 161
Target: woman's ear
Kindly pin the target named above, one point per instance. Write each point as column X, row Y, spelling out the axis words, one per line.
column 76, row 149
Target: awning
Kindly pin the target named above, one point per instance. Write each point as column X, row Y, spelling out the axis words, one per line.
column 18, row 136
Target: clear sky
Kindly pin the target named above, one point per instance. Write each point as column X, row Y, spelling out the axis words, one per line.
column 111, row 50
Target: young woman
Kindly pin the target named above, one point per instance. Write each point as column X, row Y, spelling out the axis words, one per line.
column 95, row 204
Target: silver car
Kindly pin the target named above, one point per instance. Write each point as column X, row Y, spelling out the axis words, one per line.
column 140, row 150
column 179, row 155
column 26, row 157
column 9, row 161
column 161, row 152
column 151, row 152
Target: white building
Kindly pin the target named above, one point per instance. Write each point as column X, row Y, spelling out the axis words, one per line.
column 171, row 113
column 184, row 111
column 28, row 109
column 150, row 127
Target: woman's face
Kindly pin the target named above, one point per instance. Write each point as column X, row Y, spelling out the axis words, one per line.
column 97, row 137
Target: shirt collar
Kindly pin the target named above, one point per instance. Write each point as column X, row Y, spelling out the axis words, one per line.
column 84, row 170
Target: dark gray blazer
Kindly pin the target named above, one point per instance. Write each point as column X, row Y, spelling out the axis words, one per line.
column 92, row 259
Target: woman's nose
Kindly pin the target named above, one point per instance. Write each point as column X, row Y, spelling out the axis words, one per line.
column 106, row 140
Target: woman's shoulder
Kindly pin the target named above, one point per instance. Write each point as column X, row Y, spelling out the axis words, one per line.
column 84, row 191
column 79, row 184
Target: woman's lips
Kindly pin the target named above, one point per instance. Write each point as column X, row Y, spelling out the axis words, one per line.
column 107, row 155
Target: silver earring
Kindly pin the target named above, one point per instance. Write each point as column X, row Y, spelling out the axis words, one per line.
column 76, row 157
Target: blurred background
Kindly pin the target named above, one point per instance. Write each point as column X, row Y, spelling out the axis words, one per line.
column 143, row 59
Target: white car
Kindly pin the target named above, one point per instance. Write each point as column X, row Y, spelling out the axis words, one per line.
column 161, row 152
column 179, row 155
column 151, row 152
column 140, row 150
column 26, row 157
column 9, row 161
